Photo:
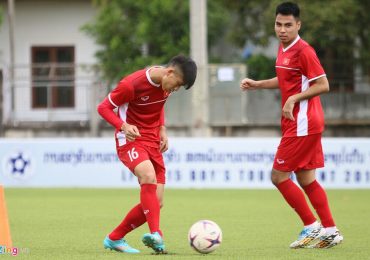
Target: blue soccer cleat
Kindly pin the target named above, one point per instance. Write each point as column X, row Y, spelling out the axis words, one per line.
column 119, row 246
column 154, row 241
column 307, row 236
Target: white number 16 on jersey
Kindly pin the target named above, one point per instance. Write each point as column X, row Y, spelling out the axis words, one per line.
column 133, row 154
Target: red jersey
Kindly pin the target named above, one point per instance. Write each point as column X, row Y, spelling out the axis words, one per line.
column 140, row 102
column 296, row 67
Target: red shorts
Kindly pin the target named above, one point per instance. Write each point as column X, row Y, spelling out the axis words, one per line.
column 133, row 153
column 299, row 153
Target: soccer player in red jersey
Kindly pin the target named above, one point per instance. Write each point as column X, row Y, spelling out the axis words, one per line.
column 301, row 80
column 141, row 139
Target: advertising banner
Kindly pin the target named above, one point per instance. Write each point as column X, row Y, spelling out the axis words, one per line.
column 190, row 163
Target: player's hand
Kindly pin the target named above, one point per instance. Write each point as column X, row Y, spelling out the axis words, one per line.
column 131, row 131
column 248, row 84
column 163, row 140
column 288, row 109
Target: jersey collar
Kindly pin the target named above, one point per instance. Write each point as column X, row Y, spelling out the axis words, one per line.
column 149, row 79
column 290, row 45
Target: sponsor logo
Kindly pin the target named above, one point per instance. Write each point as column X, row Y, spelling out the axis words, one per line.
column 145, row 98
column 286, row 61
column 280, row 161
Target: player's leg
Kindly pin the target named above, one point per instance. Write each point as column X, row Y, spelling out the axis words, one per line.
column 293, row 196
column 134, row 219
column 319, row 200
column 287, row 159
column 296, row 199
column 115, row 240
column 285, row 163
column 155, row 240
column 160, row 194
column 316, row 195
column 160, row 171
column 148, row 194
column 131, row 155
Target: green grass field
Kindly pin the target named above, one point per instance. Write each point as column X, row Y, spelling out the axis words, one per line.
column 256, row 224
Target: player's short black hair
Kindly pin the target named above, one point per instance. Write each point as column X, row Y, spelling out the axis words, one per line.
column 188, row 68
column 288, row 8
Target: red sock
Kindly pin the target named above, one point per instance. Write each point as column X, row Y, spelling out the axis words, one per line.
column 150, row 206
column 134, row 219
column 295, row 198
column 319, row 201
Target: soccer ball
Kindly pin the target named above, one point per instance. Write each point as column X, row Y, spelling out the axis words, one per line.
column 205, row 236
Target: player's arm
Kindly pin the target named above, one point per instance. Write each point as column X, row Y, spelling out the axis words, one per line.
column 106, row 111
column 250, row 84
column 123, row 93
column 319, row 86
column 163, row 134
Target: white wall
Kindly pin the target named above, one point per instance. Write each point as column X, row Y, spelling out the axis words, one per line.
column 47, row 23
column 41, row 22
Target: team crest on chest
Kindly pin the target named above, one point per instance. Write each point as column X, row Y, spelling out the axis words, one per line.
column 144, row 98
column 286, row 61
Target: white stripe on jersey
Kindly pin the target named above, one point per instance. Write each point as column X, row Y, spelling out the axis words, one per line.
column 282, row 67
column 323, row 75
column 302, row 121
column 110, row 100
column 145, row 104
column 122, row 112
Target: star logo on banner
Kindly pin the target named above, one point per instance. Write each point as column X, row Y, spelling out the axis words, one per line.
column 18, row 165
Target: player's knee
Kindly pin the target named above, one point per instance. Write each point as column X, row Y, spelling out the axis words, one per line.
column 300, row 181
column 147, row 179
column 303, row 182
column 274, row 178
column 278, row 177
column 305, row 178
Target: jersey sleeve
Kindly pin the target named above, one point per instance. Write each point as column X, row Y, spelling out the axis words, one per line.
column 105, row 109
column 310, row 64
column 123, row 93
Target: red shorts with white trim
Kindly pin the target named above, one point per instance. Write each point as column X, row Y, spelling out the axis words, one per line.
column 299, row 153
column 133, row 153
